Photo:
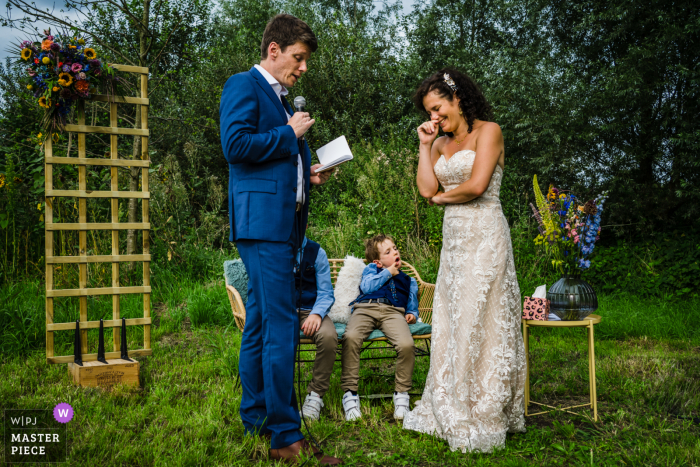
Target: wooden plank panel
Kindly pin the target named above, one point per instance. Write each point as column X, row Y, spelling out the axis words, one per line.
column 96, row 259
column 106, row 130
column 130, row 68
column 97, row 291
column 100, row 194
column 93, row 161
column 91, row 357
column 110, row 323
column 118, row 100
column 99, row 226
column 48, row 218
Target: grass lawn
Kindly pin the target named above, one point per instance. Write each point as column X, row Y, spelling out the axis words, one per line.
column 185, row 411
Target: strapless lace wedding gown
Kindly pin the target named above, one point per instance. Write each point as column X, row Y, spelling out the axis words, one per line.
column 474, row 391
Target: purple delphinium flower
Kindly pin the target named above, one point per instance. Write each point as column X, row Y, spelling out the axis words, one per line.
column 76, row 67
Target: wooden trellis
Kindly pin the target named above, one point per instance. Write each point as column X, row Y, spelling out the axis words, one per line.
column 82, row 194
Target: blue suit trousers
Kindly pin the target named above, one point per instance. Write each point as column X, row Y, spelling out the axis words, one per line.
column 266, row 367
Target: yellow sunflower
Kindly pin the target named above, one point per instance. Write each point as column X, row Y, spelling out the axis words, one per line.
column 65, row 79
column 44, row 102
column 26, row 54
column 89, row 53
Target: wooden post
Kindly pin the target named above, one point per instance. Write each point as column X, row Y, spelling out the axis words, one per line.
column 82, row 219
column 48, row 219
column 144, row 214
column 114, row 186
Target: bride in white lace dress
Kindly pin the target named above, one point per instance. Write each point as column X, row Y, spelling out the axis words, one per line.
column 474, row 392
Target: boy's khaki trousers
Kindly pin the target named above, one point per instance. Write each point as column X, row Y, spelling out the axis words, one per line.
column 326, row 340
column 392, row 322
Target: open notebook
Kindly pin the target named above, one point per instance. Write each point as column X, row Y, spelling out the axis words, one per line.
column 334, row 153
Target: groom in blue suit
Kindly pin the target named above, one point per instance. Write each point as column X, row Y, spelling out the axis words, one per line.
column 269, row 177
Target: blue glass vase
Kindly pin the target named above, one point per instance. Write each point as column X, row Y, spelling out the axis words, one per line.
column 571, row 298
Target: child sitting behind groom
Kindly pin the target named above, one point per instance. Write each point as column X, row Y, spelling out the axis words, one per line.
column 314, row 302
column 389, row 301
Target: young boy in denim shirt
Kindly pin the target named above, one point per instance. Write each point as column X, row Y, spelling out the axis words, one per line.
column 388, row 301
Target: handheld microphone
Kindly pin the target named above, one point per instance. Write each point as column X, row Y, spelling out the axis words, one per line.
column 300, row 103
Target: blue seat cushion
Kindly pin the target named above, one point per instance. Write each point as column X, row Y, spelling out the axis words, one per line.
column 417, row 329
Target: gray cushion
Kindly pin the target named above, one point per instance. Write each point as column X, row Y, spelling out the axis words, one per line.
column 236, row 276
column 417, row 329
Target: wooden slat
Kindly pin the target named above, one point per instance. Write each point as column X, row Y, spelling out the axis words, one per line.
column 49, row 247
column 144, row 213
column 91, row 161
column 91, row 357
column 100, row 194
column 97, row 291
column 119, row 100
column 129, row 68
column 106, row 130
column 110, row 323
column 96, row 259
column 100, row 226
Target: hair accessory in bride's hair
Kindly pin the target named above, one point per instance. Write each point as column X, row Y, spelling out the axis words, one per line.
column 450, row 82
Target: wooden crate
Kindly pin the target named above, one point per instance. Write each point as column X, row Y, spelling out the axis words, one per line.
column 81, row 195
column 97, row 374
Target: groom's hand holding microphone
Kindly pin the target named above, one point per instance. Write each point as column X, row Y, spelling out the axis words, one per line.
column 301, row 122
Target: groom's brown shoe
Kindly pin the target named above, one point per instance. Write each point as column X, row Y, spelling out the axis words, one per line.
column 292, row 454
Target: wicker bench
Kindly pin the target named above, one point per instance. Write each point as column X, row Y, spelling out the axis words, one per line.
column 425, row 311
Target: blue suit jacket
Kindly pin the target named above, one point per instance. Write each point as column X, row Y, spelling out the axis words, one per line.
column 261, row 150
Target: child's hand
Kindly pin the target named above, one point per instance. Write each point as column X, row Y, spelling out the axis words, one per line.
column 311, row 325
column 394, row 268
column 410, row 319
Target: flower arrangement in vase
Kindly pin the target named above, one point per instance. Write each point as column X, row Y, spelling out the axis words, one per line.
column 568, row 231
column 62, row 70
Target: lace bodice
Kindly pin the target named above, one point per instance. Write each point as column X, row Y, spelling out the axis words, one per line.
column 457, row 169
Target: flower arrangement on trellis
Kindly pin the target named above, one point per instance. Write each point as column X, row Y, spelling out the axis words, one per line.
column 61, row 70
column 568, row 227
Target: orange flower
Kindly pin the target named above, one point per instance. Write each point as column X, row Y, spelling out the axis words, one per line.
column 46, row 44
column 82, row 86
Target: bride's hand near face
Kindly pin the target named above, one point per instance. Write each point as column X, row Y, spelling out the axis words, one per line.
column 427, row 132
column 428, row 154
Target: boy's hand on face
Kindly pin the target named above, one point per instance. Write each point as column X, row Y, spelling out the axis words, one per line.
column 410, row 319
column 394, row 268
column 311, row 325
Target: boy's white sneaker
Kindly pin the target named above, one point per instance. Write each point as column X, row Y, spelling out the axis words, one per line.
column 351, row 406
column 401, row 401
column 312, row 406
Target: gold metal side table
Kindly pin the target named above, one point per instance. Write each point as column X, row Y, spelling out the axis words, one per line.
column 588, row 322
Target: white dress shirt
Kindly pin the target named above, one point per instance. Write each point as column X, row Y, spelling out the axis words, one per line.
column 282, row 91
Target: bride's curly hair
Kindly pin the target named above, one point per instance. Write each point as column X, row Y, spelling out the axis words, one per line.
column 471, row 100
